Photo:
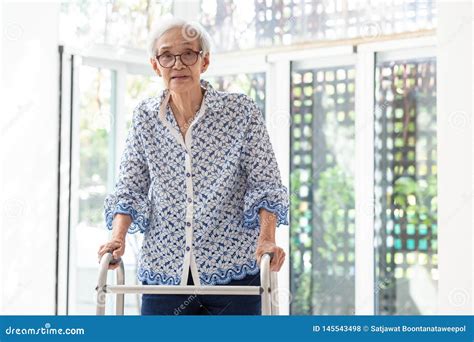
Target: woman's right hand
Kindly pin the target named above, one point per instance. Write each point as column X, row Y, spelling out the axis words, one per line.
column 116, row 246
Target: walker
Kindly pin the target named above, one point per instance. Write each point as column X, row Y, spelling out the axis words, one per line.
column 268, row 284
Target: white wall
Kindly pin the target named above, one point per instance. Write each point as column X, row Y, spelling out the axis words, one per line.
column 455, row 158
column 28, row 139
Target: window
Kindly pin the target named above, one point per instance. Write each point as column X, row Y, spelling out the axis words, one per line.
column 93, row 174
column 236, row 25
column 96, row 178
column 140, row 87
column 406, row 187
column 85, row 23
column 319, row 92
column 252, row 84
column 322, row 194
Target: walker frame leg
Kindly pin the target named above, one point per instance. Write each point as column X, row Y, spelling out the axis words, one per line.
column 102, row 283
column 120, row 297
column 268, row 284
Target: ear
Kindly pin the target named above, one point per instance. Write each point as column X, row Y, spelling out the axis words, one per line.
column 205, row 62
column 154, row 65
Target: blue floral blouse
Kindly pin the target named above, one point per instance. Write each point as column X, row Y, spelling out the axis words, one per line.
column 197, row 199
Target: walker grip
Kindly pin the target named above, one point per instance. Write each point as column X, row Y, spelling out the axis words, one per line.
column 271, row 254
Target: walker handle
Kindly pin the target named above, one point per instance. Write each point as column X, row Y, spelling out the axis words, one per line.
column 271, row 254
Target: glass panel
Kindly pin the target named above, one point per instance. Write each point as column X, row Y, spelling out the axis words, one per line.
column 95, row 120
column 322, row 191
column 96, row 176
column 118, row 23
column 406, row 187
column 244, row 24
column 140, row 87
column 252, row 85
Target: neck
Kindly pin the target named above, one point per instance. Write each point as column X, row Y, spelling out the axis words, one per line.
column 186, row 104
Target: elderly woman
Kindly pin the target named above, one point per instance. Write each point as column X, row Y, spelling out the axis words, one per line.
column 199, row 178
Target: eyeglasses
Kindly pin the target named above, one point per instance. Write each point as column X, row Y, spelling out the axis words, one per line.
column 188, row 58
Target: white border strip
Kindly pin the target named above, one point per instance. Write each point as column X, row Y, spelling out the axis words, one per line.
column 364, row 185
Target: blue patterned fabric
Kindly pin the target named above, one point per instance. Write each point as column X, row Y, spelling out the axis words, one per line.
column 197, row 199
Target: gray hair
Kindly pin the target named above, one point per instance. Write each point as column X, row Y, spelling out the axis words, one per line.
column 190, row 31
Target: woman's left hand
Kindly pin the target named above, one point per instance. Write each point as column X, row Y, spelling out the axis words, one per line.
column 271, row 247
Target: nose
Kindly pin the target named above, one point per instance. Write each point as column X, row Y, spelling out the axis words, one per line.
column 178, row 60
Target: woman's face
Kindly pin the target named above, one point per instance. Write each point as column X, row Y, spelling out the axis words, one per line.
column 174, row 42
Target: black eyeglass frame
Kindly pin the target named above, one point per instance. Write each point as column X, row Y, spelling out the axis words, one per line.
column 198, row 53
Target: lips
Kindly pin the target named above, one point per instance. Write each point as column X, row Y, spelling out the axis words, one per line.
column 179, row 77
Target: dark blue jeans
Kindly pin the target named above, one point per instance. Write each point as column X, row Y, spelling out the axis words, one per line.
column 158, row 304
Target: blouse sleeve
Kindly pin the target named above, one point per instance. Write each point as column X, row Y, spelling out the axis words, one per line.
column 130, row 195
column 264, row 186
